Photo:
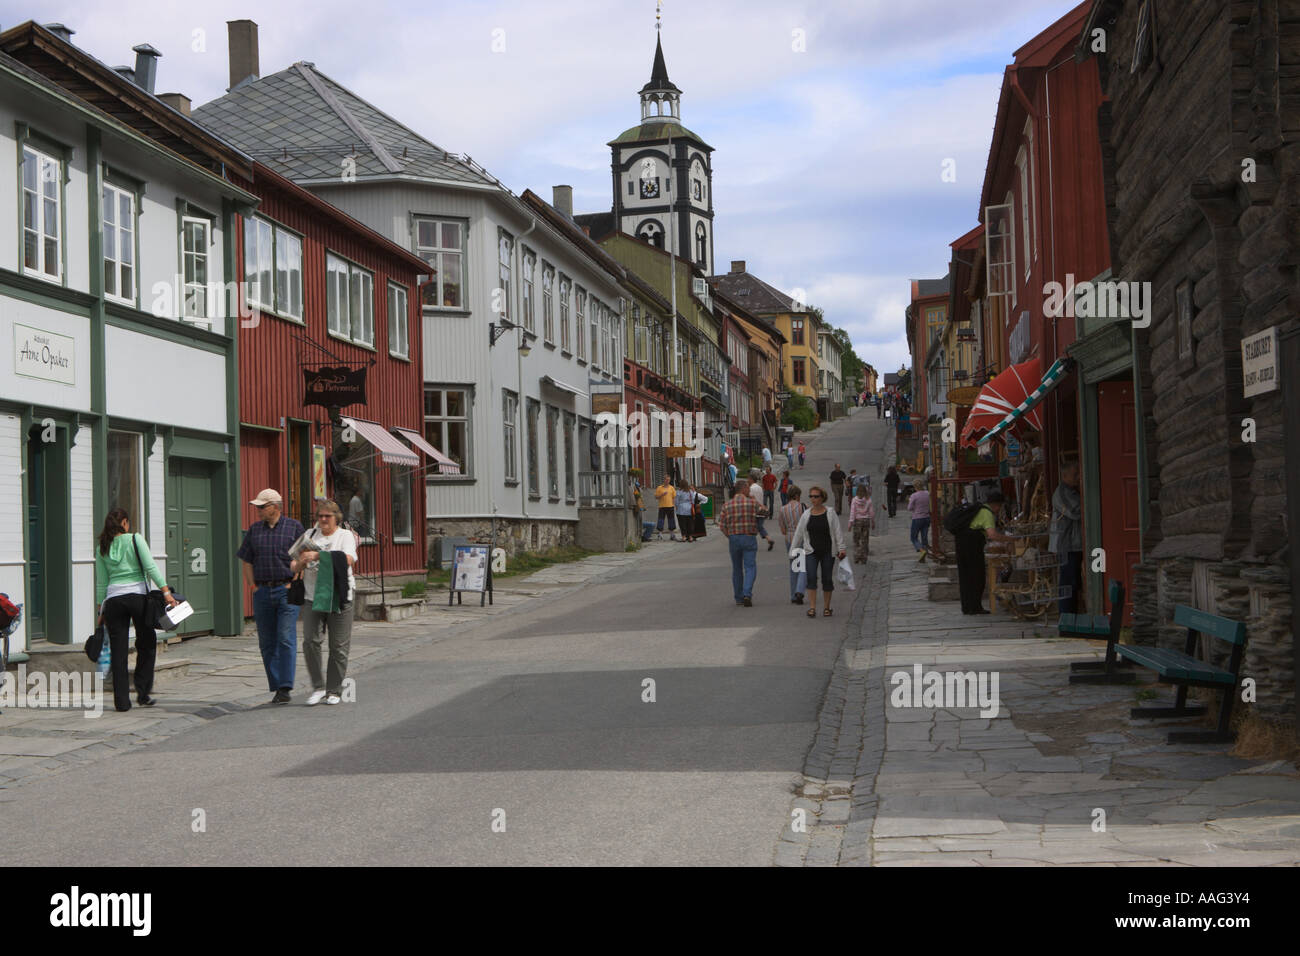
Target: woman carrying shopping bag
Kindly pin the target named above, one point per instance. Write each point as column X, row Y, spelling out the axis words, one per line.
column 818, row 533
column 123, row 569
column 324, row 556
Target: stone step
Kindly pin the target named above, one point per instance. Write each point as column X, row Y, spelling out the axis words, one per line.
column 399, row 609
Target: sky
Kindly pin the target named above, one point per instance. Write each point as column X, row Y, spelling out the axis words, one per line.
column 831, row 121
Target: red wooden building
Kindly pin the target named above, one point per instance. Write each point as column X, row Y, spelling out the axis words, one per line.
column 328, row 301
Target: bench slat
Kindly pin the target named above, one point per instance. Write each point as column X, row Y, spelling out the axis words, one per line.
column 1225, row 630
column 1175, row 664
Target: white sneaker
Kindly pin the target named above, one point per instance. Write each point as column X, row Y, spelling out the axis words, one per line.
column 316, row 697
column 333, row 699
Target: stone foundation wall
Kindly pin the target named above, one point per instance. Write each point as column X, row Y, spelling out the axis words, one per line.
column 517, row 536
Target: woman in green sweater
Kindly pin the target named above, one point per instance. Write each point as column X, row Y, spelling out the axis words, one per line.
column 123, row 569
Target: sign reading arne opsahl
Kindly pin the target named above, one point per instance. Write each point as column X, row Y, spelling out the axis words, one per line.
column 331, row 385
column 44, row 355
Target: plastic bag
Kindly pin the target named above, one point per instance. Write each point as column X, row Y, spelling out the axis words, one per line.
column 844, row 574
column 105, row 657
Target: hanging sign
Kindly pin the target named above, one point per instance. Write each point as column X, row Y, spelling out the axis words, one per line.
column 44, row 355
column 318, row 472
column 334, row 386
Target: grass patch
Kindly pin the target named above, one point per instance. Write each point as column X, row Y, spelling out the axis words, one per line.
column 413, row 589
column 525, row 563
column 1259, row 738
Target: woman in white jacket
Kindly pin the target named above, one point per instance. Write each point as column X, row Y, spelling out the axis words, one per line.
column 820, row 537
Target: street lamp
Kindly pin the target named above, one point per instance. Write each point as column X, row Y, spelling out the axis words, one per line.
column 498, row 329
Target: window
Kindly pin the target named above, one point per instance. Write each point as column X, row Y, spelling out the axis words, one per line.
column 565, row 288
column 196, row 239
column 126, row 476
column 441, row 244
column 526, row 283
column 534, row 478
column 553, row 452
column 796, row 327
column 800, row 372
column 354, row 484
column 399, row 339
column 272, row 268
column 580, row 308
column 701, row 244
column 505, row 248
column 509, row 420
column 595, row 313
column 446, row 422
column 349, row 301
column 1022, row 164
column 698, row 188
column 641, row 336
column 548, row 315
column 402, row 501
column 119, row 243
column 42, row 214
column 567, row 434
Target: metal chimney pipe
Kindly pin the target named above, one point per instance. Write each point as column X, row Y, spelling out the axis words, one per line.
column 146, row 66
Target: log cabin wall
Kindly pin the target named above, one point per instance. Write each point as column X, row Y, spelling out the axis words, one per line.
column 1202, row 179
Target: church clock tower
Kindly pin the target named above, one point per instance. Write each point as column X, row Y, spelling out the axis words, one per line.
column 663, row 175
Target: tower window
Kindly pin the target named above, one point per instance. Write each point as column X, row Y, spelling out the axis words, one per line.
column 701, row 244
column 631, row 189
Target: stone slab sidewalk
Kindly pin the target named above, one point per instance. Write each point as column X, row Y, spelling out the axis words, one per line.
column 225, row 674
column 1061, row 774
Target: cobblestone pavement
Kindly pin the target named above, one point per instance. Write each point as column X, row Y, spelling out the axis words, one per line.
column 1059, row 775
column 224, row 675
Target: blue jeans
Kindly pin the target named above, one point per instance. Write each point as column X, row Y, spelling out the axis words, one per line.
column 920, row 529
column 744, row 564
column 762, row 529
column 798, row 579
column 277, row 634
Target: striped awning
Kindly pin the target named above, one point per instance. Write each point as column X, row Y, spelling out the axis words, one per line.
column 1049, row 382
column 391, row 451
column 445, row 465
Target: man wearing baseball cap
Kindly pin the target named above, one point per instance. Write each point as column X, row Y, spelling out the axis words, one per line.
column 265, row 553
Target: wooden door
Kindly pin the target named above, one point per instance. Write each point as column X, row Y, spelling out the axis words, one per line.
column 1118, row 466
column 190, row 558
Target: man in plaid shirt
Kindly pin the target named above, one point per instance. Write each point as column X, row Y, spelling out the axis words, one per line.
column 739, row 522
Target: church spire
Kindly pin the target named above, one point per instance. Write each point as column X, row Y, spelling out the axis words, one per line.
column 660, row 98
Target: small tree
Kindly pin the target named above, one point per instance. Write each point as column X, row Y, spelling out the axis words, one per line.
column 799, row 412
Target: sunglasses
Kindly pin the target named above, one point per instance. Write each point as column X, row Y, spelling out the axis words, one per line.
column 815, row 495
column 329, row 516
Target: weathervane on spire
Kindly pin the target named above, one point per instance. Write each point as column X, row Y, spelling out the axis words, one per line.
column 659, row 6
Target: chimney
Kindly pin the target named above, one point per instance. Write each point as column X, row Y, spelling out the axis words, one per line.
column 177, row 101
column 737, row 265
column 244, row 64
column 126, row 72
column 60, row 31
column 146, row 66
column 562, row 200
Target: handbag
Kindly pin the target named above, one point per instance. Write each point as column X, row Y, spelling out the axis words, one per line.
column 95, row 644
column 297, row 593
column 157, row 603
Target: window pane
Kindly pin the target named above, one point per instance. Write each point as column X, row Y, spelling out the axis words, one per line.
column 457, row 446
column 401, row 498
column 455, row 403
column 124, row 476
column 450, row 235
column 451, row 280
column 426, row 233
column 433, row 404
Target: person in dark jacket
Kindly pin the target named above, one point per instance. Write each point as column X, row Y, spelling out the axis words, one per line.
column 970, row 554
column 891, row 489
column 324, row 557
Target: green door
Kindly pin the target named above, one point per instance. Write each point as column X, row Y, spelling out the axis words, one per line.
column 190, row 558
column 49, row 537
column 34, row 610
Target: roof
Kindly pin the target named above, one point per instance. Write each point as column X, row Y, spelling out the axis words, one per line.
column 598, row 224
column 929, row 287
column 70, row 70
column 659, row 72
column 763, row 323
column 304, row 125
column 657, row 131
column 574, row 234
column 754, row 294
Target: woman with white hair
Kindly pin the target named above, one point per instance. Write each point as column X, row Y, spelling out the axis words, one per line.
column 324, row 557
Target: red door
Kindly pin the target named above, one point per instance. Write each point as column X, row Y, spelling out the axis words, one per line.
column 259, row 459
column 1117, row 456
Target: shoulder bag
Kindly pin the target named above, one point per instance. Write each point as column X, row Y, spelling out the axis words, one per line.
column 157, row 603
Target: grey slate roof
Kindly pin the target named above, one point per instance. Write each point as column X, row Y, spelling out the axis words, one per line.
column 928, row 287
column 754, row 294
column 598, row 224
column 303, row 125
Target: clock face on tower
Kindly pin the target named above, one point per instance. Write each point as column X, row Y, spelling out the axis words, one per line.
column 650, row 188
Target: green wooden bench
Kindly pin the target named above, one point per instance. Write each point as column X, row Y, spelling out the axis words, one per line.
column 1184, row 671
column 1106, row 671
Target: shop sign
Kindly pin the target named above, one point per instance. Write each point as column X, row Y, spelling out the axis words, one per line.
column 318, row 471
column 1259, row 363
column 47, row 356
column 334, row 386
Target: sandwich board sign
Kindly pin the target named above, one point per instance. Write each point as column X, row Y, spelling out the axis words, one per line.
column 471, row 570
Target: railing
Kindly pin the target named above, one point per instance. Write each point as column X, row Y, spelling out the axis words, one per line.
column 602, row 489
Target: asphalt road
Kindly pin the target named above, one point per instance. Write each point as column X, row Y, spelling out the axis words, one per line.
column 534, row 720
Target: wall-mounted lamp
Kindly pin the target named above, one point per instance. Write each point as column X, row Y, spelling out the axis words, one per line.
column 501, row 327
